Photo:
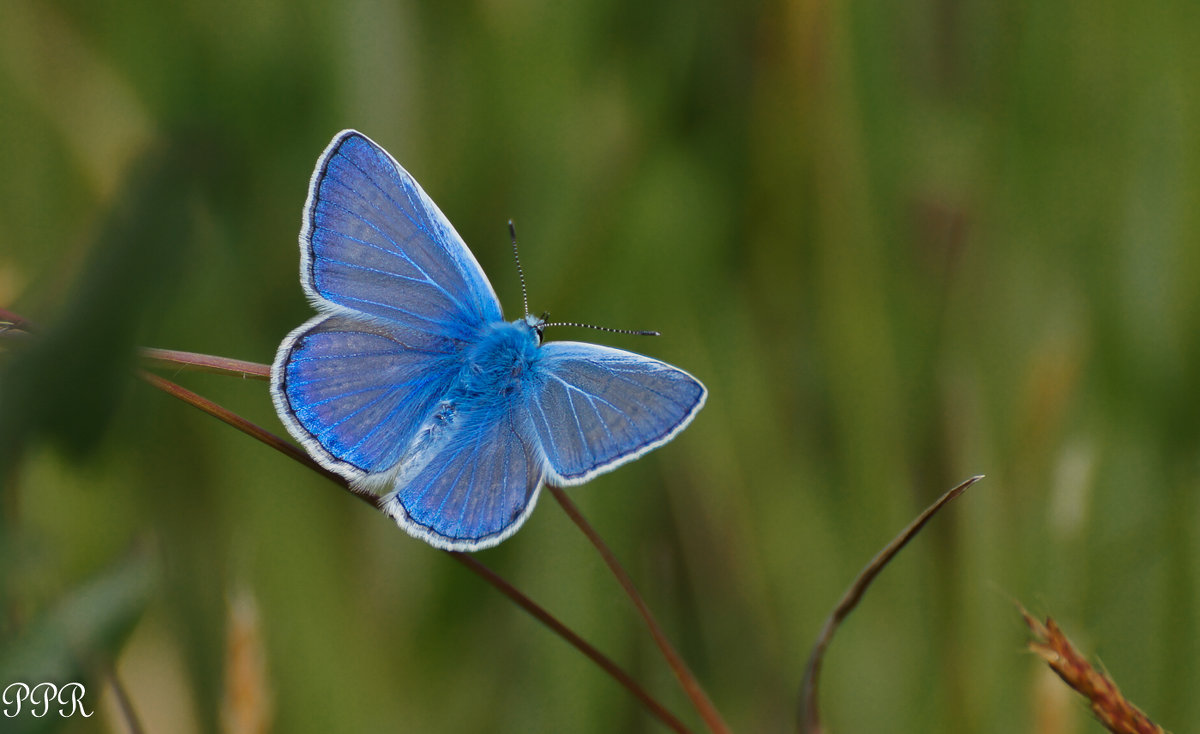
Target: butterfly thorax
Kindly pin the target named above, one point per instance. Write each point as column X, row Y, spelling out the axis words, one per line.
column 498, row 364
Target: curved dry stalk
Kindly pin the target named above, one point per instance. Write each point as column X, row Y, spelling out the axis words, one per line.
column 809, row 718
column 691, row 686
column 223, row 365
column 205, row 363
column 15, row 320
column 124, row 703
column 578, row 642
column 252, row 430
column 488, row 575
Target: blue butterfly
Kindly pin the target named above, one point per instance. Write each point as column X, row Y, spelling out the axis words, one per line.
column 410, row 381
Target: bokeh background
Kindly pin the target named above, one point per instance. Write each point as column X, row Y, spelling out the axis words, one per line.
column 901, row 243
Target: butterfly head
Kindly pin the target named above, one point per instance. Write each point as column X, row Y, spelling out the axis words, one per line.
column 537, row 323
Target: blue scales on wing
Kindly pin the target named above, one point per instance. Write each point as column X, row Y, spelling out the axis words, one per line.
column 401, row 296
column 359, row 389
column 597, row 407
column 378, row 244
column 477, row 484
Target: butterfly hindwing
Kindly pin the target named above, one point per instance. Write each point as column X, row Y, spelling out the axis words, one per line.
column 474, row 486
column 596, row 407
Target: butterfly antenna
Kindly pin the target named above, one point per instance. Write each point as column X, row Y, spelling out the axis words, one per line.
column 635, row 332
column 512, row 232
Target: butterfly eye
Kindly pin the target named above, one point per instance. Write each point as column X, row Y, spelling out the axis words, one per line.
column 537, row 323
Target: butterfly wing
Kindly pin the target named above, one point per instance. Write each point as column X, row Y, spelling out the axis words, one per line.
column 401, row 297
column 471, row 480
column 354, row 392
column 595, row 408
column 375, row 243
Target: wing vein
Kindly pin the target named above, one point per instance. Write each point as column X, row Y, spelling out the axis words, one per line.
column 409, row 192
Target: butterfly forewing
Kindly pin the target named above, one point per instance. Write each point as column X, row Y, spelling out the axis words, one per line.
column 596, row 407
column 374, row 242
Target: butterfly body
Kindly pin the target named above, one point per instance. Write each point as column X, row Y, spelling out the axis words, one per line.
column 501, row 363
column 410, row 381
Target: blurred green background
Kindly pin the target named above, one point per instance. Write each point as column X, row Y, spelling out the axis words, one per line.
column 901, row 243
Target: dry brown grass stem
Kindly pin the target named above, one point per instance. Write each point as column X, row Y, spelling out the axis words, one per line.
column 1112, row 709
column 809, row 720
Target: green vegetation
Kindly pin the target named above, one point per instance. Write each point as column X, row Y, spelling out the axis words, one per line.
column 902, row 244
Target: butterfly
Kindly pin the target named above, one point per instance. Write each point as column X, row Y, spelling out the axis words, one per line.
column 409, row 381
